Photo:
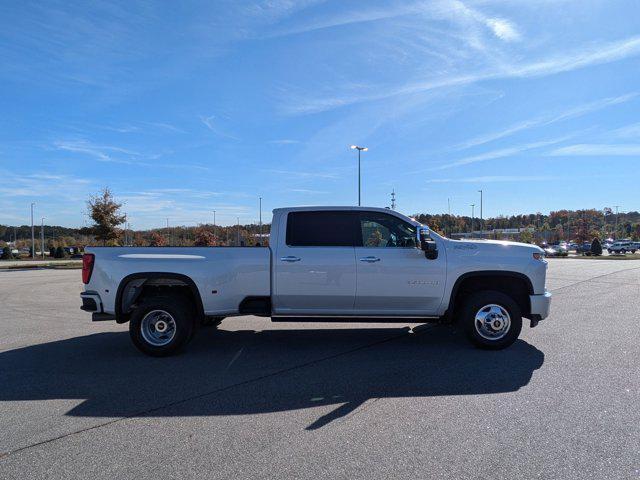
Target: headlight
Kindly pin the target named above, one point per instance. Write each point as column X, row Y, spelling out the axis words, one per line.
column 538, row 256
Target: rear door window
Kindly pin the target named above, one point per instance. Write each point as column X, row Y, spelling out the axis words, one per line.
column 322, row 229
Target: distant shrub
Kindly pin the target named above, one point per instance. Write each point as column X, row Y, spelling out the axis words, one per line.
column 596, row 247
column 6, row 253
column 60, row 253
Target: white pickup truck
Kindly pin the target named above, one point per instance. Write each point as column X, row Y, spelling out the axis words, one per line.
column 352, row 264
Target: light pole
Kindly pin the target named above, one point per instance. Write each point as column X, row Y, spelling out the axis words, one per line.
column 473, row 206
column 360, row 149
column 260, row 220
column 615, row 231
column 449, row 210
column 238, row 240
column 33, row 239
column 42, row 237
column 481, row 219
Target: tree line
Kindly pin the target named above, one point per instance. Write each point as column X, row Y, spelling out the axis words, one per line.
column 104, row 211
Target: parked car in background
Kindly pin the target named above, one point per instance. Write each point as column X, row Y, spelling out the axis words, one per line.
column 584, row 248
column 550, row 251
column 622, row 247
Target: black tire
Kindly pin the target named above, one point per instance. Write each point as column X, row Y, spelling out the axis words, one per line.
column 181, row 313
column 623, row 251
column 474, row 303
column 212, row 321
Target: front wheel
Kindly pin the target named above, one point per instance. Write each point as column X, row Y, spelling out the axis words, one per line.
column 623, row 251
column 161, row 326
column 491, row 320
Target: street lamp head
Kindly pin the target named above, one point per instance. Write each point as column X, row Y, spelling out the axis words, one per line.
column 356, row 147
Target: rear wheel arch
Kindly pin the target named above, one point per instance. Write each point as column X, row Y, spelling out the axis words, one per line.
column 133, row 286
column 515, row 284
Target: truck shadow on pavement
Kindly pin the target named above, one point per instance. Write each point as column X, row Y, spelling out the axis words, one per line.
column 248, row 372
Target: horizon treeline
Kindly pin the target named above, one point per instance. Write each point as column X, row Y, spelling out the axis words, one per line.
column 581, row 225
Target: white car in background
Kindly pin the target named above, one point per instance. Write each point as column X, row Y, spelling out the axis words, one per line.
column 623, row 247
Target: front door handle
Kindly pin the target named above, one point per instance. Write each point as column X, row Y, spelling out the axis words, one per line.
column 290, row 258
column 370, row 259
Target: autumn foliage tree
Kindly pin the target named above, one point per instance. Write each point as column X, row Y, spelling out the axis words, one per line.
column 205, row 238
column 157, row 240
column 105, row 213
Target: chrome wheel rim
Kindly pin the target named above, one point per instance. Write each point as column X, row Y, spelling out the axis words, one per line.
column 158, row 328
column 492, row 322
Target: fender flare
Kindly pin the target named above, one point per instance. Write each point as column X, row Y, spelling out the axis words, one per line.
column 122, row 317
column 487, row 273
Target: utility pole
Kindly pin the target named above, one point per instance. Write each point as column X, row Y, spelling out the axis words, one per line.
column 33, row 239
column 481, row 219
column 473, row 206
column 238, row 240
column 260, row 220
column 168, row 232
column 360, row 149
column 615, row 231
column 42, row 237
column 449, row 210
column 393, row 199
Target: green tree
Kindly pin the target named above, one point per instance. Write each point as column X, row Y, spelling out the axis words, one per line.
column 526, row 236
column 6, row 253
column 596, row 247
column 105, row 212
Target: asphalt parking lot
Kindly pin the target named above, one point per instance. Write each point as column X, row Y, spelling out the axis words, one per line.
column 262, row 400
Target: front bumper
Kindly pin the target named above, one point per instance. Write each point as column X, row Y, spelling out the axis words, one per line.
column 540, row 306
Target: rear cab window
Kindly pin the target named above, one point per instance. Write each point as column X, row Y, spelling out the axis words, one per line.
column 322, row 229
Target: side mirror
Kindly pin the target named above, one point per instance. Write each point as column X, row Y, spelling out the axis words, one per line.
column 427, row 245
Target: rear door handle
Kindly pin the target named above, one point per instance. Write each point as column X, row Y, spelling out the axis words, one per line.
column 369, row 259
column 290, row 258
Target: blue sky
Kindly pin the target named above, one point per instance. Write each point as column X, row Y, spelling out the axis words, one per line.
column 182, row 108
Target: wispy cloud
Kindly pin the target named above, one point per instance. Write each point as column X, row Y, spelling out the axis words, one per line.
column 500, row 153
column 210, row 123
column 303, row 174
column 503, row 29
column 284, row 141
column 102, row 153
column 307, row 191
column 593, row 54
column 629, row 131
column 598, row 150
column 496, row 179
column 573, row 112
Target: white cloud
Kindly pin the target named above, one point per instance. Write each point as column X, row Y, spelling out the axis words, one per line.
column 574, row 112
column 630, row 131
column 284, row 141
column 495, row 178
column 307, row 191
column 210, row 123
column 503, row 29
column 591, row 55
column 500, row 153
column 303, row 174
column 590, row 149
